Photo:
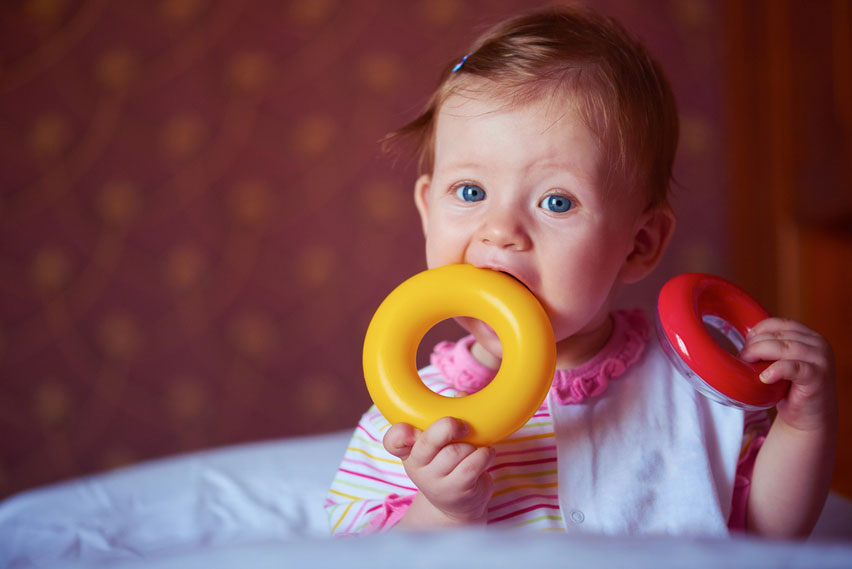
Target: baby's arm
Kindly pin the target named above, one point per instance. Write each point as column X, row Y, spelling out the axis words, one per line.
column 452, row 478
column 792, row 472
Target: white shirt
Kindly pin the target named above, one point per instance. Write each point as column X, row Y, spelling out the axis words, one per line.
column 663, row 466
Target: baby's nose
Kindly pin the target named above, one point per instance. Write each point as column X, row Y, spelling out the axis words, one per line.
column 506, row 231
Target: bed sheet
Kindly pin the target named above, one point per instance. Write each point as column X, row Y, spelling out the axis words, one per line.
column 269, row 490
column 260, row 505
column 472, row 549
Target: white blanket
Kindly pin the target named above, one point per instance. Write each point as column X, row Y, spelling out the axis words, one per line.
column 260, row 505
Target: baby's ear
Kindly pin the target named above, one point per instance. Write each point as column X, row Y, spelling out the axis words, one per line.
column 421, row 188
column 650, row 240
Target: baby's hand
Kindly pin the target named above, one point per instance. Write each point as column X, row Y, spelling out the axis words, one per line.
column 803, row 357
column 451, row 476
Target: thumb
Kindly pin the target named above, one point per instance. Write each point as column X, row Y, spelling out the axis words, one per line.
column 399, row 439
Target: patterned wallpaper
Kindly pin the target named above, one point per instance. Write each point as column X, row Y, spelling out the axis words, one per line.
column 196, row 223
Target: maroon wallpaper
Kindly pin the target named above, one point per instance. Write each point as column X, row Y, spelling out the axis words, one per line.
column 196, row 223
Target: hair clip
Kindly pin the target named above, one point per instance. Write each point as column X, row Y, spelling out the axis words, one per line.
column 460, row 63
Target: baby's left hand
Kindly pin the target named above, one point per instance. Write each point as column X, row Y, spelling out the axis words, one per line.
column 803, row 357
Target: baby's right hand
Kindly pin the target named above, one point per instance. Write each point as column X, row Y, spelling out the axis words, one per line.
column 451, row 476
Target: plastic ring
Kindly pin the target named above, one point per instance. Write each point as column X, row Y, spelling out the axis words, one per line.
column 685, row 303
column 410, row 310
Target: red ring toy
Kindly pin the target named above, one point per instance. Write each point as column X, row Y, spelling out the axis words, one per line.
column 685, row 303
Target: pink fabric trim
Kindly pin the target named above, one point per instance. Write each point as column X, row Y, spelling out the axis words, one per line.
column 625, row 346
column 390, row 513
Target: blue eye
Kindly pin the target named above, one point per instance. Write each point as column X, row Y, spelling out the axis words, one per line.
column 556, row 203
column 470, row 193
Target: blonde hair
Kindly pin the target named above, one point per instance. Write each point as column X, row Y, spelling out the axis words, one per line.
column 619, row 90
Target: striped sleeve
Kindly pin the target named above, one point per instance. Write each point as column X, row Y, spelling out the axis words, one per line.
column 369, row 478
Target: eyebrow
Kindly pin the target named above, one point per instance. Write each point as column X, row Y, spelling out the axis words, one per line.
column 559, row 165
column 462, row 165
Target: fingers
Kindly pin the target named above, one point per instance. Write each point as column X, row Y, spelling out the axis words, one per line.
column 434, row 449
column 469, row 471
column 799, row 354
column 785, row 336
column 435, row 441
column 399, row 440
column 772, row 325
column 797, row 371
column 452, row 476
column 776, row 338
column 783, row 329
column 781, row 348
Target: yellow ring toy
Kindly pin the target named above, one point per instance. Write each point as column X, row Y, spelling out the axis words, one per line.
column 410, row 310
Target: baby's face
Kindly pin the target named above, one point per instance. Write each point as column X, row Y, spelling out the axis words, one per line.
column 521, row 190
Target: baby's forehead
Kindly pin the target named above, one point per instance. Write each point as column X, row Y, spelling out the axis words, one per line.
column 484, row 99
column 570, row 111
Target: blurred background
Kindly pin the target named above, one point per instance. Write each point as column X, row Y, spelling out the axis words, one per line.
column 197, row 223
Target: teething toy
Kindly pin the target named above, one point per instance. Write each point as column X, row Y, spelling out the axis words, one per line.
column 685, row 304
column 410, row 310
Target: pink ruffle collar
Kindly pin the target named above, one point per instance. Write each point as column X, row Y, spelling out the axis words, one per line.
column 570, row 386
